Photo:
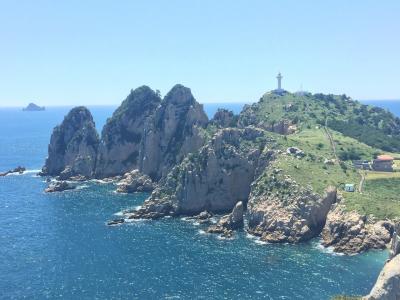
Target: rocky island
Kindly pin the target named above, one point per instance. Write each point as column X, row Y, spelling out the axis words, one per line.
column 33, row 107
column 285, row 166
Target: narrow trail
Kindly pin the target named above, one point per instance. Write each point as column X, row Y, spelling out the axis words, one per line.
column 361, row 185
column 331, row 141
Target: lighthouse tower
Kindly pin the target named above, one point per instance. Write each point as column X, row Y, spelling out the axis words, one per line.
column 279, row 90
column 279, row 77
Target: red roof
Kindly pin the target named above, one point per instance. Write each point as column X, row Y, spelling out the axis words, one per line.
column 384, row 157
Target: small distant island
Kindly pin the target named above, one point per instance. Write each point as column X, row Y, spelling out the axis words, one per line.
column 34, row 107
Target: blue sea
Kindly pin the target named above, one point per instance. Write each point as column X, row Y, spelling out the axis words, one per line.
column 57, row 246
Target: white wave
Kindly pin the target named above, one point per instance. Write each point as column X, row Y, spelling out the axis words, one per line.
column 250, row 236
column 327, row 250
column 119, row 214
column 202, row 232
column 81, row 187
column 31, row 171
column 259, row 242
column 196, row 223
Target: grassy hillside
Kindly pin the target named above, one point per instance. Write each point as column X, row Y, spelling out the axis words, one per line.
column 315, row 170
column 371, row 125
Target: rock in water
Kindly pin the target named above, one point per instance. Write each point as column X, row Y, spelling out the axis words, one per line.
column 387, row 287
column 73, row 146
column 59, row 186
column 18, row 170
column 135, row 182
column 348, row 232
column 229, row 222
column 122, row 135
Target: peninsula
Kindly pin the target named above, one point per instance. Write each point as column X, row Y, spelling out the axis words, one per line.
column 300, row 165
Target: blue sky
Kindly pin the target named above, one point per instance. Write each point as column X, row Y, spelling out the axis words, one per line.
column 94, row 52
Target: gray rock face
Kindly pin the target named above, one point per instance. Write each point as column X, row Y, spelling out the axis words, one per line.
column 172, row 133
column 213, row 179
column 349, row 232
column 229, row 222
column 224, row 118
column 150, row 134
column 123, row 133
column 59, row 186
column 294, row 217
column 73, row 145
column 395, row 244
column 134, row 181
column 387, row 287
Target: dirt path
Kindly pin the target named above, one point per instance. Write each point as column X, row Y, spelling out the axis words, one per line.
column 361, row 185
column 331, row 141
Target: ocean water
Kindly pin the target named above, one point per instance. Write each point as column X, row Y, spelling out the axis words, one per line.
column 57, row 246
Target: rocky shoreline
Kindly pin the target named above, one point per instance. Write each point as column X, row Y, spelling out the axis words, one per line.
column 197, row 167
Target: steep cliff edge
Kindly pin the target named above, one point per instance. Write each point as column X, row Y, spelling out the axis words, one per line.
column 280, row 210
column 349, row 232
column 150, row 134
column 214, row 178
column 73, row 146
column 172, row 133
column 122, row 135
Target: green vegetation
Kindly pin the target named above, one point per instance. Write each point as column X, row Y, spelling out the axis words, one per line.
column 379, row 197
column 317, row 170
column 371, row 125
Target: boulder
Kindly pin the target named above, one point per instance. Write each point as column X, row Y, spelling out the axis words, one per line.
column 59, row 186
column 349, row 232
column 73, row 146
column 134, row 181
column 229, row 222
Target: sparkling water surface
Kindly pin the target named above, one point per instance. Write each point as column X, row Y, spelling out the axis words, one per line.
column 57, row 246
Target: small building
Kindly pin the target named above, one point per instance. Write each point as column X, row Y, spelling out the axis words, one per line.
column 349, row 187
column 383, row 163
column 361, row 164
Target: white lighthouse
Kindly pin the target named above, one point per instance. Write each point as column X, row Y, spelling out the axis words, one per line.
column 279, row 77
column 279, row 91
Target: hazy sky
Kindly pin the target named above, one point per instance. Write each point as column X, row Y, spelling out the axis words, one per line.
column 94, row 52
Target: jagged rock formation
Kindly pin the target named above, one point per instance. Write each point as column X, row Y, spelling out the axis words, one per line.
column 134, row 181
column 214, row 179
column 387, row 287
column 349, row 232
column 279, row 210
column 122, row 135
column 224, row 118
column 151, row 135
column 172, row 133
column 73, row 145
column 229, row 222
column 19, row 170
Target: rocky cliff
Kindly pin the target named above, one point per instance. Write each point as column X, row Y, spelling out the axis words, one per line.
column 121, row 137
column 214, row 178
column 73, row 146
column 280, row 210
column 349, row 232
column 150, row 134
column 387, row 286
column 172, row 133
